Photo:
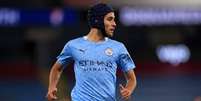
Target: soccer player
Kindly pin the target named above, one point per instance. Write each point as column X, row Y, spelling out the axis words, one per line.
column 96, row 58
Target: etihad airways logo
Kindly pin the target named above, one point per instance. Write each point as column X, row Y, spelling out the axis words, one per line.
column 95, row 63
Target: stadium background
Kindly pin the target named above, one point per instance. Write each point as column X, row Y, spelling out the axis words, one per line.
column 166, row 52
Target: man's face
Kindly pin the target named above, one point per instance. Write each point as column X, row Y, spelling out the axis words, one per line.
column 110, row 24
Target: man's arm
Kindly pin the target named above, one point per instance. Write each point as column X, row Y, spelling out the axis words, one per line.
column 54, row 77
column 130, row 85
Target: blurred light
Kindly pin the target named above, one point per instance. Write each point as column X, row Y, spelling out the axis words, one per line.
column 173, row 54
column 24, row 17
column 9, row 17
column 133, row 16
column 56, row 17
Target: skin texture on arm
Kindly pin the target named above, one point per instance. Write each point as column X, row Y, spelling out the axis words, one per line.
column 54, row 77
column 130, row 85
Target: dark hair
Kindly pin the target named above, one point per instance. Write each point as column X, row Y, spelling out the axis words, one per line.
column 96, row 15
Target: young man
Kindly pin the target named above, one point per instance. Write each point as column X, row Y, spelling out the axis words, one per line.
column 96, row 58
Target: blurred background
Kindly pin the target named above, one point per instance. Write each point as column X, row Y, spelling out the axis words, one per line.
column 162, row 37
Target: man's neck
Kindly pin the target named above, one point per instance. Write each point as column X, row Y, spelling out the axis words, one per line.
column 95, row 35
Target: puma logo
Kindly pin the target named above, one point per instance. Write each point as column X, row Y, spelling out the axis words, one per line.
column 82, row 50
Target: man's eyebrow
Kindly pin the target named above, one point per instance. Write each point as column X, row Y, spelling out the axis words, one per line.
column 111, row 17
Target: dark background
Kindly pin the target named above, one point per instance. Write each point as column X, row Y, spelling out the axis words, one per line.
column 28, row 49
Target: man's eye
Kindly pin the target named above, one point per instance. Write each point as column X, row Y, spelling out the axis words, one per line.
column 110, row 19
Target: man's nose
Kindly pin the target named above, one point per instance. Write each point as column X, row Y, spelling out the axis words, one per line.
column 114, row 24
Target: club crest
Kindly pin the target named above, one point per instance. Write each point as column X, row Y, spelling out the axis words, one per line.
column 109, row 51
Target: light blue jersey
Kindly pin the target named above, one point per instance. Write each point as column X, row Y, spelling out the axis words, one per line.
column 95, row 66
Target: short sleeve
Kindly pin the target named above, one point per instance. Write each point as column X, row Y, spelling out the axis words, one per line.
column 125, row 61
column 65, row 57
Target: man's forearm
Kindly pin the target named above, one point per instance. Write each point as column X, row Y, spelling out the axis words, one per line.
column 131, row 84
column 54, row 75
column 131, row 80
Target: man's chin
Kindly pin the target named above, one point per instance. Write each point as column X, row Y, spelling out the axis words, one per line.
column 109, row 34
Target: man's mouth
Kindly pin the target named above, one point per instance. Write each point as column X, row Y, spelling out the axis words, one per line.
column 112, row 30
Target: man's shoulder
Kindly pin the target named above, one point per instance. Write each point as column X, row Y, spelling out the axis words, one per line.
column 115, row 42
column 75, row 40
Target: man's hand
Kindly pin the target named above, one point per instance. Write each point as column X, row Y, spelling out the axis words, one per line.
column 51, row 95
column 125, row 93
